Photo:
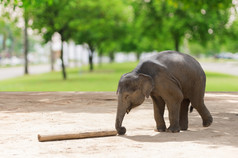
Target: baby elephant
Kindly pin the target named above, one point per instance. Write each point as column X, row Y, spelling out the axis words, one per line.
column 170, row 78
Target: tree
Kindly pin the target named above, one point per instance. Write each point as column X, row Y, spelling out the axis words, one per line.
column 145, row 33
column 200, row 21
column 174, row 20
column 54, row 17
column 99, row 24
column 26, row 44
column 10, row 36
column 26, row 6
column 49, row 16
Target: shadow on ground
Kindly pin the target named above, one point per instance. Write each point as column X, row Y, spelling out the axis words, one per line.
column 222, row 132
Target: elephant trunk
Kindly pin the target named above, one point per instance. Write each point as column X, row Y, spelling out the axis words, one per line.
column 121, row 111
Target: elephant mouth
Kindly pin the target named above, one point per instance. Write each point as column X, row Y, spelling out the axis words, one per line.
column 128, row 109
column 131, row 107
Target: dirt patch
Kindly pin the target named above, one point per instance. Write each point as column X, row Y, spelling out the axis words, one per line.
column 23, row 115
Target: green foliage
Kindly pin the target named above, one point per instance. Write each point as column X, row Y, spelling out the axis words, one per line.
column 145, row 33
column 211, row 48
column 11, row 35
column 132, row 25
column 100, row 23
column 230, row 39
column 51, row 17
column 200, row 21
column 159, row 24
column 104, row 78
column 196, row 49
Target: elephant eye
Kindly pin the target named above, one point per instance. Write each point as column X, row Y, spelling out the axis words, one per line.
column 126, row 96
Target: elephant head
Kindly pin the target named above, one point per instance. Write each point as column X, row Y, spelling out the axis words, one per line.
column 132, row 90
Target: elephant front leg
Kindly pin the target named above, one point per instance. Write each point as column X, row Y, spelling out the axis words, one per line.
column 183, row 121
column 159, row 106
column 174, row 110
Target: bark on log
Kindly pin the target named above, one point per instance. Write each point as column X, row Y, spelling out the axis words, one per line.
column 55, row 137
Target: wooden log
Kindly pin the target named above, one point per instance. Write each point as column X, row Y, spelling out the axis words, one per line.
column 55, row 137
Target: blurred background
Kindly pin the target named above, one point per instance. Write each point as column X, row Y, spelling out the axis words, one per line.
column 86, row 45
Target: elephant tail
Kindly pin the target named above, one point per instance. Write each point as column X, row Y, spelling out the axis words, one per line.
column 191, row 109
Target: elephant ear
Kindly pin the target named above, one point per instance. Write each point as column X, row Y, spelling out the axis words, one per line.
column 120, row 81
column 146, row 84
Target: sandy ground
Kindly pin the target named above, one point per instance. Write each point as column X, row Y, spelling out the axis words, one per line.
column 24, row 115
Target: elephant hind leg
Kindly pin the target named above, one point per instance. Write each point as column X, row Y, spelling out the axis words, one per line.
column 183, row 119
column 203, row 111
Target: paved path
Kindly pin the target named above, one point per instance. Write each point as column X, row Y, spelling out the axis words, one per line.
column 11, row 72
column 6, row 73
column 227, row 68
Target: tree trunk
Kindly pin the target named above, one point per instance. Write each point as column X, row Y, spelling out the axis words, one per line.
column 11, row 50
column 52, row 57
column 112, row 57
column 62, row 59
column 75, row 56
column 176, row 42
column 68, row 57
column 3, row 45
column 138, row 56
column 100, row 58
column 4, row 42
column 90, row 57
column 26, row 45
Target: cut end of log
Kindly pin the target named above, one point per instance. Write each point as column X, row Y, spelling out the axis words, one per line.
column 39, row 137
column 55, row 137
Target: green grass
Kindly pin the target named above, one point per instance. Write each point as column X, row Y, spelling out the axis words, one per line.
column 221, row 82
column 104, row 78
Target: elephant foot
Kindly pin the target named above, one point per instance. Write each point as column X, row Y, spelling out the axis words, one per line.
column 207, row 122
column 183, row 126
column 160, row 129
column 173, row 129
column 121, row 131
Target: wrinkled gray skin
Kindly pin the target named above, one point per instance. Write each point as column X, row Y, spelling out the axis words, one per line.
column 170, row 78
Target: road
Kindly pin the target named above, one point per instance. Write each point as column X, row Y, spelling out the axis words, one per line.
column 11, row 72
column 226, row 67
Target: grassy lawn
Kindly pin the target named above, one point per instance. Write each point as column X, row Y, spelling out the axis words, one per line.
column 104, row 78
column 221, row 82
